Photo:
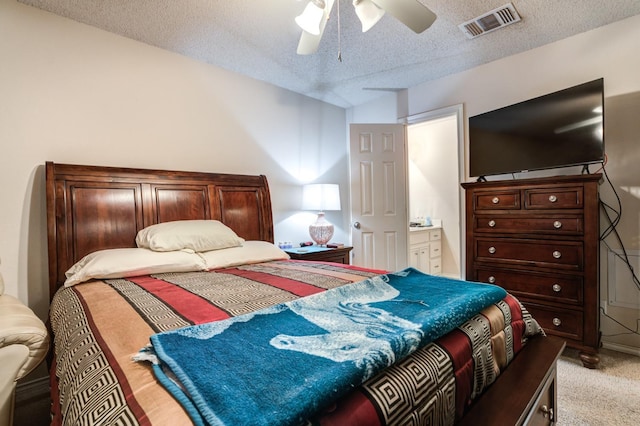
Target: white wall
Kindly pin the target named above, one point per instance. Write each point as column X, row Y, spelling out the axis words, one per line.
column 71, row 93
column 611, row 52
column 385, row 109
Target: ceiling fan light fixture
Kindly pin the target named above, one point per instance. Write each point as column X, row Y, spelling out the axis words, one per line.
column 368, row 13
column 309, row 20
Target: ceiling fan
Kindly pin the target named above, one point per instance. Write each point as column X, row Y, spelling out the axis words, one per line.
column 314, row 18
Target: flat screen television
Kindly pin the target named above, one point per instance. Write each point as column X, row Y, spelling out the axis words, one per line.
column 560, row 129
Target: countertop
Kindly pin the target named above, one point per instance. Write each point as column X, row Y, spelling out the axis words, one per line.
column 435, row 224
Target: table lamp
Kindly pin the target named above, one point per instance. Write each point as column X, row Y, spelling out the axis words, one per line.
column 321, row 197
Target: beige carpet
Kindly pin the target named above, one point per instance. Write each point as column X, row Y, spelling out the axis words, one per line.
column 607, row 396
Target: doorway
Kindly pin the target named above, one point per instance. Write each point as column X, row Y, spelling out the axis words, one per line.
column 435, row 169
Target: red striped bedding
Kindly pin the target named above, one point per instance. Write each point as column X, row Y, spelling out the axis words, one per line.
column 99, row 325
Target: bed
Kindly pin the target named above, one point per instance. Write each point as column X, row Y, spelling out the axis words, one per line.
column 495, row 366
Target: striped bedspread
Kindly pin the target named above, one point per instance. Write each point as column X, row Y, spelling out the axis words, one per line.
column 100, row 325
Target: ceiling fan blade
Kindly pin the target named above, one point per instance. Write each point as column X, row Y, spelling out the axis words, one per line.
column 309, row 43
column 412, row 13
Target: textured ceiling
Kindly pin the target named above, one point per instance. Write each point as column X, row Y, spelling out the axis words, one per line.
column 258, row 38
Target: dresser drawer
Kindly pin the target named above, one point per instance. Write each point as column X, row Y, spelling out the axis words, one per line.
column 532, row 285
column 425, row 236
column 418, row 238
column 518, row 224
column 541, row 253
column 554, row 198
column 559, row 321
column 435, row 266
column 497, row 200
column 434, row 249
column 544, row 412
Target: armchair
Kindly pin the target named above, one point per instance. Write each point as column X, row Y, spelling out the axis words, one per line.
column 24, row 343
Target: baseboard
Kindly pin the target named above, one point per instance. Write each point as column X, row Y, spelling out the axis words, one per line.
column 631, row 350
column 33, row 389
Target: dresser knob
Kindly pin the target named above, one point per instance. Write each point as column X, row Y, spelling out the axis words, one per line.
column 557, row 224
column 553, row 198
column 492, row 250
column 495, row 200
column 557, row 254
column 547, row 412
column 492, row 279
column 557, row 288
column 492, row 223
column 557, row 322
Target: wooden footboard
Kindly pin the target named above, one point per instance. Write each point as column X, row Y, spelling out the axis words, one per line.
column 525, row 393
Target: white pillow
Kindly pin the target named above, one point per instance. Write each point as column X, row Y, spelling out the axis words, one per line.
column 196, row 235
column 249, row 252
column 130, row 262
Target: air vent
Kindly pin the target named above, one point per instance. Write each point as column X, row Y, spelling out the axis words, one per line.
column 490, row 21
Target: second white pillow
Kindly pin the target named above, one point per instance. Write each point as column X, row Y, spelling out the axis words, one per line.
column 196, row 235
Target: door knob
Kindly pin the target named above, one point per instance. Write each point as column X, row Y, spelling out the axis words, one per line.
column 356, row 225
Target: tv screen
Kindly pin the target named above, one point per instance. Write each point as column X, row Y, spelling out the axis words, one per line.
column 561, row 129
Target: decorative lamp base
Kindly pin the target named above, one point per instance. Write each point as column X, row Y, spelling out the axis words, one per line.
column 321, row 231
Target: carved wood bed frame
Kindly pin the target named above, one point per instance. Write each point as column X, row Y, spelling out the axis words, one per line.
column 92, row 208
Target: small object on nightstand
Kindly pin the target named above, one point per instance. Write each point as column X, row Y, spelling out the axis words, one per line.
column 335, row 245
column 306, row 244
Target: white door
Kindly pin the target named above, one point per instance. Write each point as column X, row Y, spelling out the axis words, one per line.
column 379, row 221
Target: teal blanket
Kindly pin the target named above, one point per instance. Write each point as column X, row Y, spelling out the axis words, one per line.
column 283, row 364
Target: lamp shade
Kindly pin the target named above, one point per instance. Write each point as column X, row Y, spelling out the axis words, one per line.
column 321, row 196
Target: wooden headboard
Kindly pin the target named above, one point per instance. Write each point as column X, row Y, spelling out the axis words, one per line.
column 93, row 208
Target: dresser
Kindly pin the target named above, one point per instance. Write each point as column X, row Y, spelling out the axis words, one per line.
column 539, row 240
column 425, row 249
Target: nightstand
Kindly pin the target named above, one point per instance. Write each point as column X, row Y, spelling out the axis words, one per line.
column 324, row 254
